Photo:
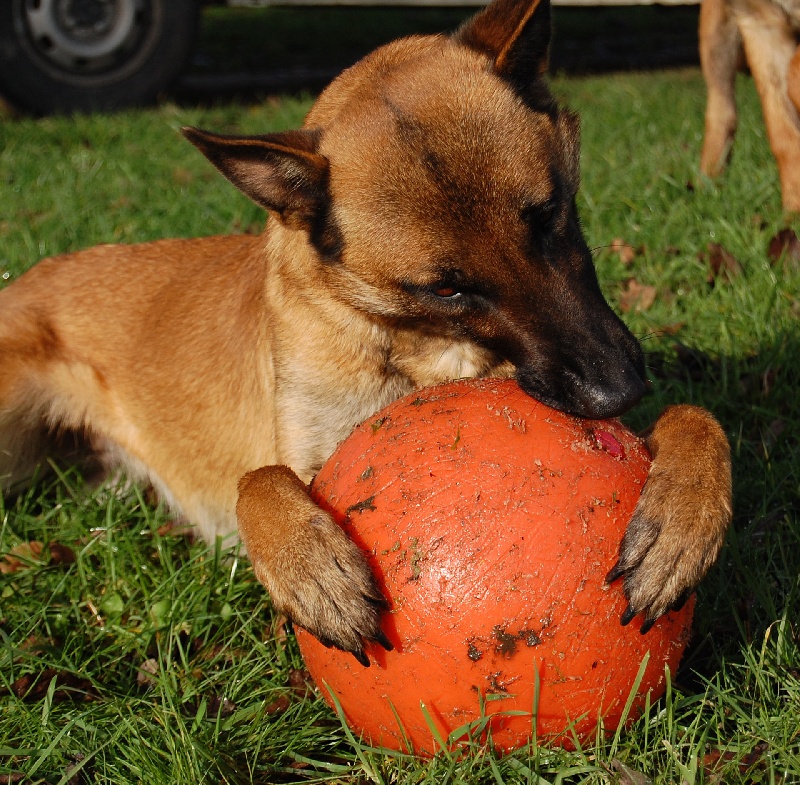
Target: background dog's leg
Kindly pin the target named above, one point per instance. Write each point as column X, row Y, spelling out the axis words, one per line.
column 770, row 46
column 679, row 524
column 720, row 48
column 793, row 79
column 314, row 573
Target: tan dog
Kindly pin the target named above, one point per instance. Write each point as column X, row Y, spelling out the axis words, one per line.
column 767, row 31
column 423, row 228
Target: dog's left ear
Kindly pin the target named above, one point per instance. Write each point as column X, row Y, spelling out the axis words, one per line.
column 515, row 34
column 282, row 172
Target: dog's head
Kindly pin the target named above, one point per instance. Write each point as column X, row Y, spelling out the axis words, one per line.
column 436, row 182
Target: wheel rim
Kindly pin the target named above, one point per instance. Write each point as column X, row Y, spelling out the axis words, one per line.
column 86, row 39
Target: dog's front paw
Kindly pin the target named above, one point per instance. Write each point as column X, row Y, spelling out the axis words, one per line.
column 322, row 582
column 315, row 575
column 679, row 523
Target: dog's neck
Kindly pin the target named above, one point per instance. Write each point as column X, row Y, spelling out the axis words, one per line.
column 321, row 390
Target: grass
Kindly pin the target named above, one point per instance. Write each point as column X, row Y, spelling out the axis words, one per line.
column 131, row 654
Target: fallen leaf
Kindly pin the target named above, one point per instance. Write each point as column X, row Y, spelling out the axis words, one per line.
column 61, row 554
column 33, row 645
column 669, row 329
column 721, row 262
column 72, row 775
column 626, row 252
column 627, row 775
column 121, row 203
column 785, row 245
column 771, row 435
column 220, row 707
column 278, row 706
column 173, row 528
column 715, row 758
column 300, row 681
column 22, row 557
column 637, row 297
column 146, row 673
column 182, row 176
column 34, row 687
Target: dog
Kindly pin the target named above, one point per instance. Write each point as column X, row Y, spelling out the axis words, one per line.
column 422, row 228
column 767, row 33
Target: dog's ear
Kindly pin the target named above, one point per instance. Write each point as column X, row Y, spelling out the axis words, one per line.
column 515, row 34
column 282, row 172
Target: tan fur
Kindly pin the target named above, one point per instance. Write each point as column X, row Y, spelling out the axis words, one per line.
column 423, row 228
column 767, row 32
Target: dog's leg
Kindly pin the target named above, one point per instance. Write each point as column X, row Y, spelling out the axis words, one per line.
column 771, row 47
column 314, row 573
column 720, row 47
column 680, row 521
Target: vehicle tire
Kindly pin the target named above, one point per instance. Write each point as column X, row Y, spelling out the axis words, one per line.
column 62, row 56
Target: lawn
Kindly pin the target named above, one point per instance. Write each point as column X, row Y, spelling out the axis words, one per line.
column 131, row 654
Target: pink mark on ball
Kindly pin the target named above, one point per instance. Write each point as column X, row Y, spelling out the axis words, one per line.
column 605, row 441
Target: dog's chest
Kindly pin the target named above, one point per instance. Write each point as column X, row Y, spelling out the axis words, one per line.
column 316, row 417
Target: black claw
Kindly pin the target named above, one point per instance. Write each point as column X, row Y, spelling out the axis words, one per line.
column 647, row 625
column 615, row 572
column 361, row 657
column 384, row 641
column 326, row 642
column 377, row 601
column 628, row 616
column 681, row 601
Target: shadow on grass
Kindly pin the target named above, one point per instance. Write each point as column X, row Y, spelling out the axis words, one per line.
column 755, row 581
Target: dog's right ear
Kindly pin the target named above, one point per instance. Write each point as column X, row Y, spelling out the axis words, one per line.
column 282, row 172
column 515, row 34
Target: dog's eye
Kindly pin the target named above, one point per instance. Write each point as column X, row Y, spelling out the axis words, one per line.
column 540, row 216
column 446, row 292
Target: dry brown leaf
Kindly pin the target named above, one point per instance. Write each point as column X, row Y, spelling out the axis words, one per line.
column 61, row 554
column 146, row 673
column 752, row 760
column 300, row 681
column 627, row 775
column 220, row 707
column 722, row 263
column 785, row 245
column 182, row 176
column 278, row 706
column 626, row 252
column 637, row 297
column 175, row 528
column 29, row 554
column 669, row 329
column 34, row 687
column 22, row 557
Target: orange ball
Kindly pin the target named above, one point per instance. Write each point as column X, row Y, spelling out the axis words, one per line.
column 490, row 522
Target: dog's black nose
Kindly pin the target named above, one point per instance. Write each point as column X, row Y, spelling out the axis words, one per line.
column 601, row 388
column 614, row 397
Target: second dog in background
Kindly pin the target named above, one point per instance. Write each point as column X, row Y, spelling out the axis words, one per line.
column 766, row 32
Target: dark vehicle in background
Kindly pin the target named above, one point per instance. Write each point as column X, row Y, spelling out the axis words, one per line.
column 82, row 55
